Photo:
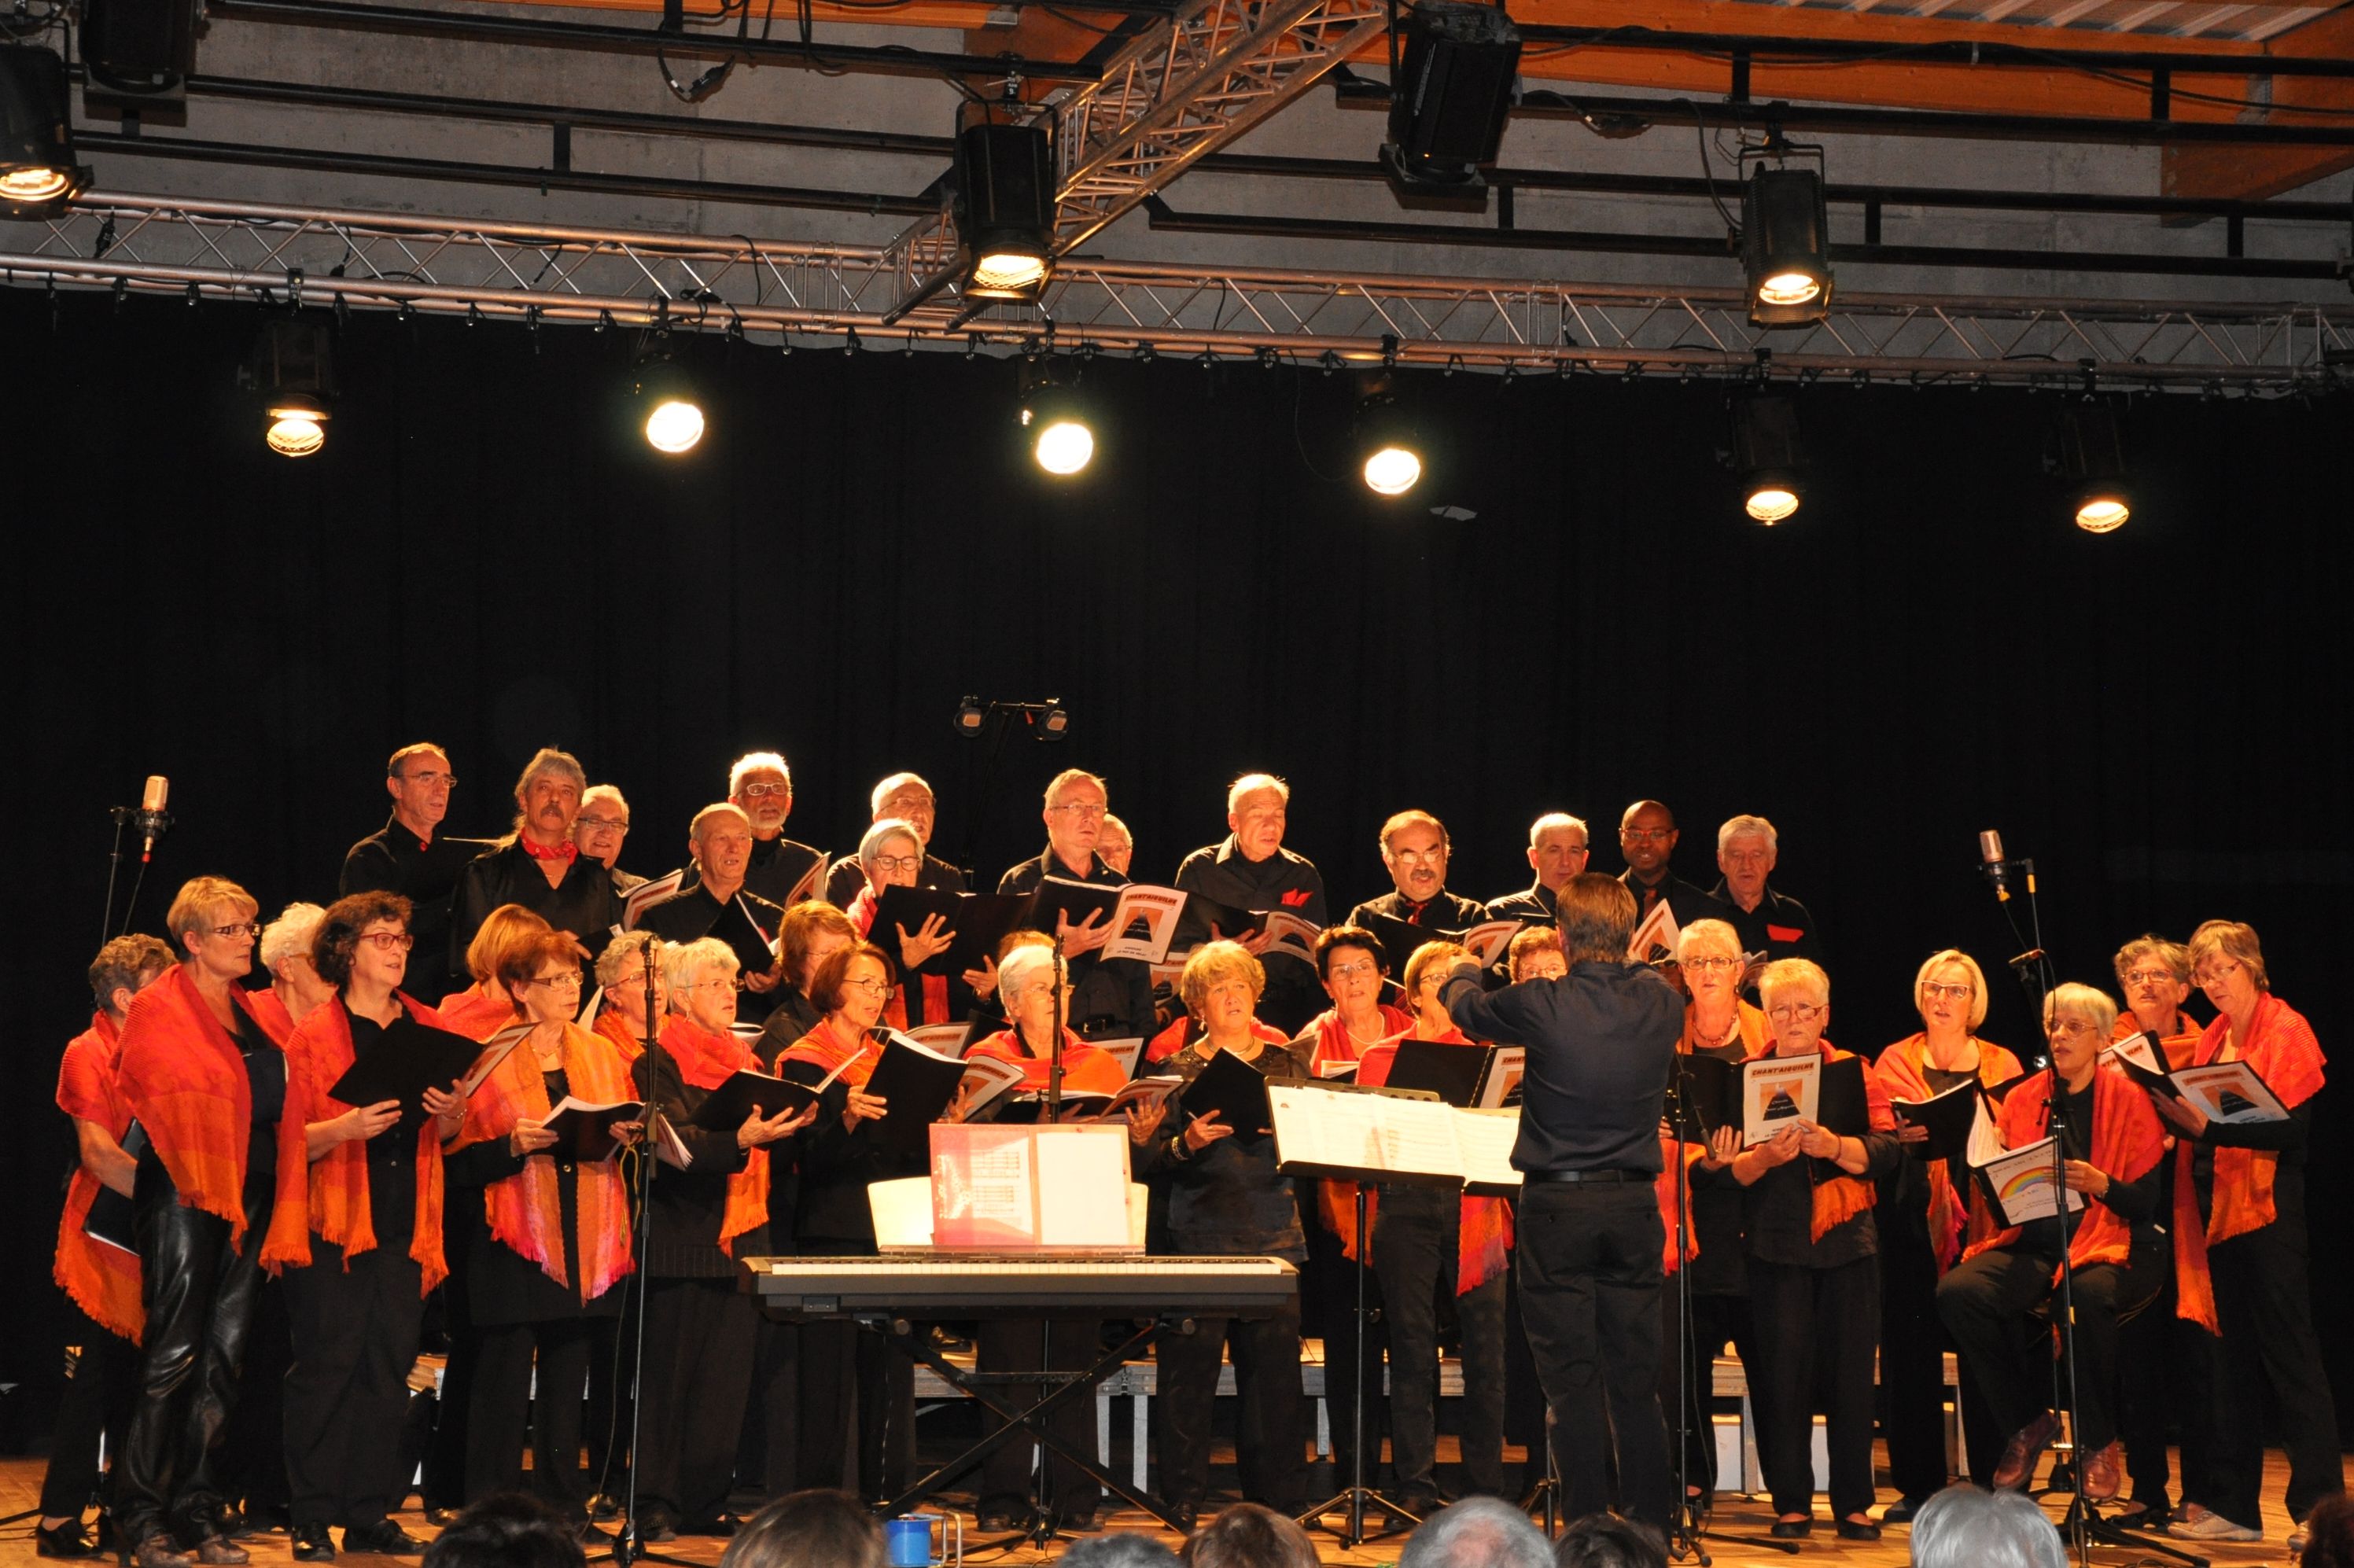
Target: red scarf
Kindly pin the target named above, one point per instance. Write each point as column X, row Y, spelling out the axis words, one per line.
column 475, row 1012
column 330, row 1195
column 625, row 1039
column 1840, row 1198
column 705, row 1060
column 1084, row 1067
column 568, row 851
column 181, row 1074
column 2281, row 1049
column 1335, row 1044
column 525, row 1210
column 103, row 1280
column 1483, row 1236
column 1903, row 1073
column 2127, row 1143
column 824, row 1048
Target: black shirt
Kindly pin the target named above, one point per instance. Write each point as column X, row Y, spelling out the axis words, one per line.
column 391, row 1154
column 502, row 1285
column 1534, row 901
column 584, row 902
column 689, row 1205
column 778, row 867
column 1441, row 911
column 1282, row 881
column 1685, row 901
column 1601, row 1041
column 2135, row 1202
column 1227, row 1200
column 1110, row 1000
column 1779, row 1212
column 1778, row 927
column 846, row 879
column 265, row 1077
column 393, row 860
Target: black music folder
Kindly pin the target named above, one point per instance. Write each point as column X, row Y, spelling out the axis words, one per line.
column 1453, row 1073
column 975, row 922
column 742, row 1092
column 1842, row 1105
column 1399, row 939
column 1075, row 901
column 1232, row 1087
column 918, row 1085
column 1705, row 1094
column 411, row 1058
column 1948, row 1117
column 583, row 1130
column 746, row 938
column 110, row 1221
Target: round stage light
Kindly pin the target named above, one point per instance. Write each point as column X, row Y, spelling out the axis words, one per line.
column 38, row 182
column 298, row 428
column 1392, row 469
column 674, row 426
column 1789, row 289
column 1770, row 503
column 1063, row 446
column 2102, row 512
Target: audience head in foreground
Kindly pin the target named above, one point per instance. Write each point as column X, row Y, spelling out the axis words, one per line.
column 509, row 1529
column 813, row 1529
column 1249, row 1536
column 1963, row 1527
column 1477, row 1533
column 1119, row 1549
column 1606, row 1540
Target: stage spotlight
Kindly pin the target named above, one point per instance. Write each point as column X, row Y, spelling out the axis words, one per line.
column 1054, row 721
column 1450, row 89
column 1004, row 210
column 38, row 173
column 293, row 374
column 1766, row 455
column 1785, row 241
column 668, row 410
column 2091, row 457
column 1054, row 421
column 1389, row 449
column 139, row 55
column 971, row 718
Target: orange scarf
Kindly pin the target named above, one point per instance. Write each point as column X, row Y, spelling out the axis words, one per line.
column 626, row 1040
column 1484, row 1234
column 1839, row 1199
column 2127, row 1143
column 2280, row 1046
column 1084, row 1067
column 1953, row 1217
column 103, row 1280
column 180, row 1074
column 705, row 1060
column 336, row 1204
column 527, row 1210
column 1755, row 1037
column 824, row 1049
column 473, row 1012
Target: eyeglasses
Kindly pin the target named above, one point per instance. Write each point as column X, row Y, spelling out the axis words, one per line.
column 762, row 791
column 889, row 862
column 241, row 929
column 1962, row 992
column 599, row 824
column 1086, row 811
column 1421, row 857
column 873, row 987
column 2151, row 977
column 2214, row 973
column 1350, row 971
column 1796, row 1012
column 388, row 941
column 2066, row 1028
column 730, row 982
column 1647, row 835
column 431, row 780
column 1706, row 965
column 569, row 980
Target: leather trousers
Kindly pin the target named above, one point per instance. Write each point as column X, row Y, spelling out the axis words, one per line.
column 200, row 1294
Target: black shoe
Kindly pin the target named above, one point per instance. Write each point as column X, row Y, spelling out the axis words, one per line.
column 1090, row 1523
column 2143, row 1516
column 68, row 1540
column 313, row 1544
column 1792, row 1528
column 1185, row 1510
column 656, row 1523
column 161, row 1550
column 1858, row 1529
column 1420, row 1505
column 1902, row 1511
column 382, row 1539
column 604, row 1505
column 997, row 1522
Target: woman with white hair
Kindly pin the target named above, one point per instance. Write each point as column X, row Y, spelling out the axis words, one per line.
column 892, row 855
column 2116, row 1251
column 1814, row 1282
column 295, row 988
column 1963, row 1527
column 698, row 1326
column 1925, row 1207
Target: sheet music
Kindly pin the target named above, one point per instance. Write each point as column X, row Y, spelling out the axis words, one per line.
column 1487, row 1139
column 2023, row 1187
column 990, row 1185
column 1083, row 1186
column 1776, row 1091
column 1377, row 1133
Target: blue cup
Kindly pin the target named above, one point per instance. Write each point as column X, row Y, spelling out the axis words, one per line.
column 907, row 1540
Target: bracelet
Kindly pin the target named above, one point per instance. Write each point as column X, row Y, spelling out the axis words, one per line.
column 1177, row 1148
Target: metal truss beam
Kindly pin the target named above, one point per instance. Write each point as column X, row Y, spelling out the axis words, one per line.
column 545, row 275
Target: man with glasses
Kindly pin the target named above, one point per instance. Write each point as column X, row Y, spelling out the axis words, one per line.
column 903, row 797
column 538, row 865
column 1646, row 837
column 1557, row 852
column 1109, row 1000
column 1415, row 848
column 717, row 901
column 411, row 856
column 600, row 830
column 781, row 871
column 1769, row 923
column 1252, row 870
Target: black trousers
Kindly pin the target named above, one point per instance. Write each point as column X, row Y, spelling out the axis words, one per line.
column 2149, row 1350
column 1013, row 1345
column 698, row 1369
column 252, row 1463
column 445, row 1455
column 1913, row 1345
column 1328, row 1306
column 199, row 1294
column 1816, row 1330
column 2264, row 1306
column 347, row 1391
column 504, row 1406
column 101, row 1384
column 1267, row 1437
column 1415, row 1257
column 846, row 1370
column 1985, row 1302
column 1589, row 1273
column 612, row 1340
column 769, row 1447
column 1716, row 1321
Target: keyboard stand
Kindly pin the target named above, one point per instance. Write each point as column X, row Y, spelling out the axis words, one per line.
column 1031, row 1423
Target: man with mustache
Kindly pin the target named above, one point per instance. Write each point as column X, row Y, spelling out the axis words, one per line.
column 1415, row 848
column 538, row 865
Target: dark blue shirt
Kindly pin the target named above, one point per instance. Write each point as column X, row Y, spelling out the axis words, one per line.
column 1600, row 1041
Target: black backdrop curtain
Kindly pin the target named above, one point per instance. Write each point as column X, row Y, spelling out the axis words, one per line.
column 486, row 555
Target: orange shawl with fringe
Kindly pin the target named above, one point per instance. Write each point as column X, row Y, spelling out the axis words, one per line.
column 704, row 1060
column 525, row 1210
column 1953, row 1217
column 1755, row 1036
column 330, row 1195
column 2127, row 1143
column 1484, row 1234
column 471, row 1012
column 1084, row 1067
column 181, row 1077
column 2281, row 1047
column 103, row 1280
column 626, row 1040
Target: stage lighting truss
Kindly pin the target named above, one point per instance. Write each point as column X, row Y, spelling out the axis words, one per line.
column 1785, row 234
column 518, row 272
column 38, row 173
column 291, row 373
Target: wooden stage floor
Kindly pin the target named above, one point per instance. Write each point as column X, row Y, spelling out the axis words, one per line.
column 20, row 1483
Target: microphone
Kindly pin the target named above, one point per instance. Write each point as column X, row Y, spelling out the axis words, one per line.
column 151, row 816
column 1990, row 862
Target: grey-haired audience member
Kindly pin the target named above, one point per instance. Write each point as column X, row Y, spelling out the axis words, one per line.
column 1477, row 1533
column 1606, row 1540
column 1963, row 1527
column 813, row 1529
column 507, row 1529
column 1249, row 1535
column 1119, row 1549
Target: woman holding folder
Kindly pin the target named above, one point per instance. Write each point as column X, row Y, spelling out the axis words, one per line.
column 892, row 855
column 545, row 1266
column 2238, row 1229
column 2115, row 1249
column 1814, row 1282
column 698, row 1325
column 1227, row 1199
column 1928, row 1209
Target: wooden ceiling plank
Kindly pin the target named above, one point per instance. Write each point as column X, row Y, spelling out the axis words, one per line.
column 2250, row 174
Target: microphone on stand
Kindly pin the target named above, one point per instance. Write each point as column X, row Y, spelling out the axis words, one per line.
column 1990, row 862
column 152, row 818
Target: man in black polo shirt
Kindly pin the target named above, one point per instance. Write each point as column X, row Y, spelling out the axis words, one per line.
column 1557, row 852
column 718, row 902
column 411, row 858
column 1600, row 1044
column 1415, row 848
column 1646, row 837
column 1110, row 1000
column 1252, row 870
column 1768, row 922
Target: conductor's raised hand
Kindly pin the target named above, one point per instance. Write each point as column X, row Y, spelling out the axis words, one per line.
column 529, row 1136
column 928, row 941
column 363, row 1122
column 1084, row 937
column 758, row 1129
column 861, row 1107
column 1204, row 1130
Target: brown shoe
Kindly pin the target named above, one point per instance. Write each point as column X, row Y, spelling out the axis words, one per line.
column 160, row 1551
column 221, row 1552
column 2026, row 1446
column 2105, row 1473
